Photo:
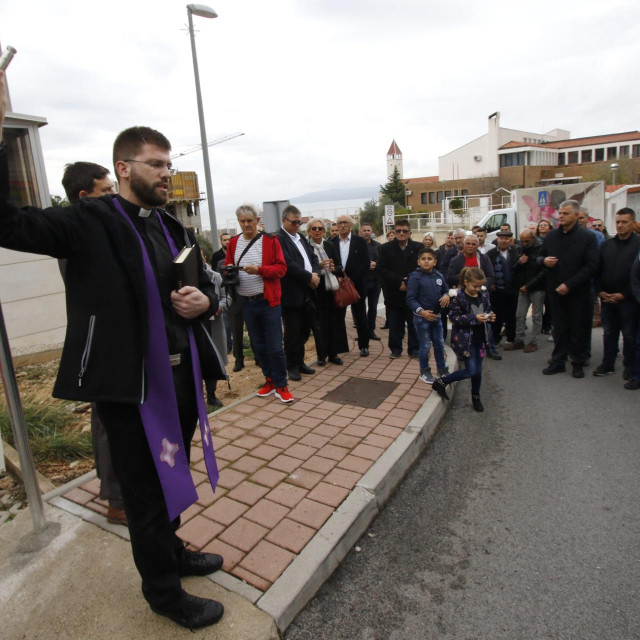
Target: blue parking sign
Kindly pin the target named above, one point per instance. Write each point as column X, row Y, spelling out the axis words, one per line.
column 542, row 199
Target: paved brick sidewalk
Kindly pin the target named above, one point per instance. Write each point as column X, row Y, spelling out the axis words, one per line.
column 284, row 468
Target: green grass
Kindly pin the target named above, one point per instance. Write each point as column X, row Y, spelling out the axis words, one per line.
column 53, row 432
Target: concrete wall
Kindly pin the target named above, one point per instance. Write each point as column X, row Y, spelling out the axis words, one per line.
column 33, row 302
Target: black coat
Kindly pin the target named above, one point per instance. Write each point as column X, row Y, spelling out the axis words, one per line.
column 616, row 259
column 578, row 258
column 531, row 274
column 394, row 266
column 105, row 293
column 358, row 263
column 457, row 265
column 295, row 284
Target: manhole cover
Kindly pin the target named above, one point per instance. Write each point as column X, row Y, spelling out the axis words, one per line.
column 361, row 392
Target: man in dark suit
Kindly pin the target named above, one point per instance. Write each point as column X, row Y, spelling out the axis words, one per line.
column 298, row 291
column 354, row 259
column 396, row 260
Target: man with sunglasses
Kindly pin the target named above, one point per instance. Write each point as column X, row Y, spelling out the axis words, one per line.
column 396, row 260
column 298, row 291
column 134, row 345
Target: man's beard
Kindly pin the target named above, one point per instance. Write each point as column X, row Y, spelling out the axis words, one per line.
column 146, row 191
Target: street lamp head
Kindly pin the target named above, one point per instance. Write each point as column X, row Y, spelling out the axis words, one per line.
column 201, row 10
column 613, row 165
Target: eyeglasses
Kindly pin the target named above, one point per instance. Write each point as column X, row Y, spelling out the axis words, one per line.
column 295, row 223
column 343, row 222
column 316, row 228
column 402, row 231
column 158, row 165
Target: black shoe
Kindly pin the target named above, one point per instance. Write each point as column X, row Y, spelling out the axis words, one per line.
column 554, row 367
column 384, row 326
column 320, row 362
column 414, row 355
column 603, row 370
column 577, row 370
column 191, row 612
column 627, row 372
column 306, row 370
column 493, row 355
column 373, row 336
column 194, row 563
column 294, row 375
column 364, row 352
column 633, row 384
column 335, row 360
column 440, row 388
column 477, row 404
column 238, row 366
column 214, row 403
column 393, row 355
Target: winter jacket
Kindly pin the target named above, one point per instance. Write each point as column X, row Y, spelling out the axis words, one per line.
column 424, row 290
column 616, row 258
column 578, row 258
column 457, row 265
column 394, row 266
column 107, row 330
column 273, row 266
column 463, row 320
column 531, row 274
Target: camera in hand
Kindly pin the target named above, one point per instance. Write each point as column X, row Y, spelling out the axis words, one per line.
column 230, row 275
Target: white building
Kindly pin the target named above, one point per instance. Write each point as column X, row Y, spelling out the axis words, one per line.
column 480, row 157
column 394, row 159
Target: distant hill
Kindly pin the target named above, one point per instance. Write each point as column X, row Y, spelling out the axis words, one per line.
column 349, row 193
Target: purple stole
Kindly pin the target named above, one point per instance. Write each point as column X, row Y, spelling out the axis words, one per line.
column 159, row 411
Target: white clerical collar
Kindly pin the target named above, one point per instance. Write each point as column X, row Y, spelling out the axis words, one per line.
column 144, row 213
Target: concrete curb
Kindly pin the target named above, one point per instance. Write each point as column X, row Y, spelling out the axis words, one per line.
column 307, row 573
column 12, row 461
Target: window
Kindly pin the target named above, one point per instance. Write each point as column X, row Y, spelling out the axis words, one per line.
column 599, row 155
column 560, row 159
column 423, row 198
column 447, row 194
column 624, row 151
column 587, row 156
column 494, row 222
column 464, row 192
column 573, row 157
column 512, row 159
column 439, row 197
column 636, row 150
column 432, row 197
column 612, row 153
column 455, row 193
column 22, row 172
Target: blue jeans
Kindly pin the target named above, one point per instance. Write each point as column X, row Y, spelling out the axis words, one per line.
column 264, row 324
column 429, row 333
column 619, row 317
column 473, row 370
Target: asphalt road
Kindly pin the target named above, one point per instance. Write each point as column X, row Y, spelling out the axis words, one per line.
column 519, row 523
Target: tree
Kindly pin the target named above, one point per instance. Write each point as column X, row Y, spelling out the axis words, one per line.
column 58, row 201
column 372, row 213
column 205, row 245
column 394, row 189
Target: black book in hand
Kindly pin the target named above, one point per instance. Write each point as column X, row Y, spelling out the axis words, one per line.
column 185, row 268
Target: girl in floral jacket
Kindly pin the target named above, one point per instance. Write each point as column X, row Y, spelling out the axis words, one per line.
column 469, row 312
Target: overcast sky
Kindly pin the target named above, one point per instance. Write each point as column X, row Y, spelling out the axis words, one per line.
column 319, row 87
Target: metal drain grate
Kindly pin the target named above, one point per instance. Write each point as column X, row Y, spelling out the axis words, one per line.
column 360, row 392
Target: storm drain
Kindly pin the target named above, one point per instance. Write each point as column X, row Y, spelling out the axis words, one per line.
column 361, row 392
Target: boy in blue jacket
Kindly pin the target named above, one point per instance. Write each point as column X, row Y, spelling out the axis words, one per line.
column 427, row 294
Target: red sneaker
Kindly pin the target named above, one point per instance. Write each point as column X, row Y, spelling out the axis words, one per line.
column 283, row 394
column 267, row 389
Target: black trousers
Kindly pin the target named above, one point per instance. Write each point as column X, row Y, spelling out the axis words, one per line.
column 398, row 317
column 155, row 545
column 372, row 294
column 359, row 313
column 504, row 305
column 297, row 329
column 237, row 329
column 571, row 316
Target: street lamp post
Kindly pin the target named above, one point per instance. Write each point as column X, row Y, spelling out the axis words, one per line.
column 614, row 167
column 203, row 11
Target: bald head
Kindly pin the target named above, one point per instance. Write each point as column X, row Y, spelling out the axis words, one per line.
column 527, row 238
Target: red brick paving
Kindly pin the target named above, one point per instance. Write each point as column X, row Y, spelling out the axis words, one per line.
column 285, row 468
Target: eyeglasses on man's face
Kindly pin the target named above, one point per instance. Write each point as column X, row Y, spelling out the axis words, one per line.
column 157, row 165
column 402, row 230
column 295, row 223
